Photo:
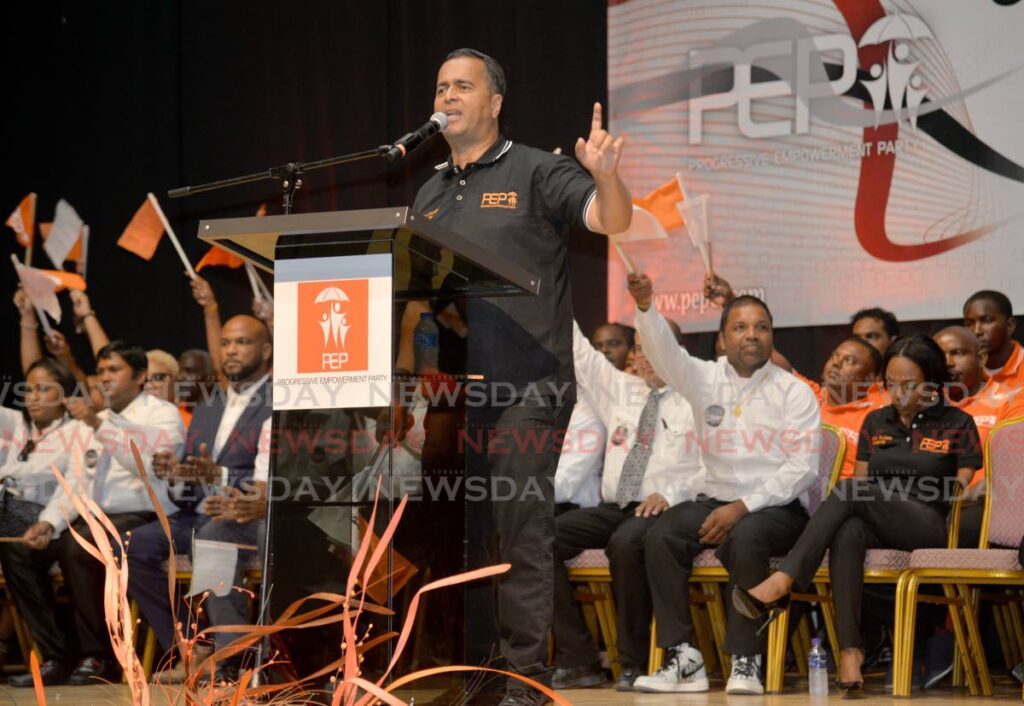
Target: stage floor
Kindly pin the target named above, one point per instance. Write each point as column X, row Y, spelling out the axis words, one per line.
column 1006, row 691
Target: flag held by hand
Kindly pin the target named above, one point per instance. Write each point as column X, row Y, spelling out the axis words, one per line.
column 23, row 220
column 217, row 257
column 143, row 233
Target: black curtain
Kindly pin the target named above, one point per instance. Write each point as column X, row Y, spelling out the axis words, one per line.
column 110, row 100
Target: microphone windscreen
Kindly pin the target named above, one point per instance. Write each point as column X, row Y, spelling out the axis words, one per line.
column 440, row 119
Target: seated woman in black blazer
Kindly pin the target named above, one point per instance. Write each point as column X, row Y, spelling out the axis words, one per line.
column 910, row 457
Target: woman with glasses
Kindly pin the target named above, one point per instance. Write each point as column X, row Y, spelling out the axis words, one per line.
column 33, row 442
column 911, row 458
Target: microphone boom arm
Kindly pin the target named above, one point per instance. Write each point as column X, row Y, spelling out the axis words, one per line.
column 289, row 175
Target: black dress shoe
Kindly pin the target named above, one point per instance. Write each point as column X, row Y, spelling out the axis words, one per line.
column 51, row 671
column 750, row 607
column 93, row 670
column 578, row 677
column 627, row 675
column 516, row 696
column 852, row 690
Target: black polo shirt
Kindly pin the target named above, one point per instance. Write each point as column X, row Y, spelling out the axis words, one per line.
column 518, row 202
column 924, row 457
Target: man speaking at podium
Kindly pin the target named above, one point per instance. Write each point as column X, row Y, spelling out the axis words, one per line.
column 519, row 203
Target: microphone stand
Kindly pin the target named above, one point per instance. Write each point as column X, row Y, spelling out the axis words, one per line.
column 288, row 175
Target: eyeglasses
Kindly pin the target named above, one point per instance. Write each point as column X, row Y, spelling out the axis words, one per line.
column 27, row 449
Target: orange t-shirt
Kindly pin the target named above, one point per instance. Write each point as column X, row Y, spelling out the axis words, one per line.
column 1012, row 374
column 847, row 418
column 993, row 403
column 879, row 395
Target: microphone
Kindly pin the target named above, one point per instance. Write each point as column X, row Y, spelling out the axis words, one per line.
column 411, row 140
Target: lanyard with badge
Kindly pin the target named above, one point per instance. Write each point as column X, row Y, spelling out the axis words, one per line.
column 9, row 483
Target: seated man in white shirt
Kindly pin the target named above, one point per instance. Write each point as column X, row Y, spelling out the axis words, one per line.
column 111, row 477
column 649, row 456
column 759, row 428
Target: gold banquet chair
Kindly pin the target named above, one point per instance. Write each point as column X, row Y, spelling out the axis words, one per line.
column 957, row 570
column 881, row 566
column 833, row 450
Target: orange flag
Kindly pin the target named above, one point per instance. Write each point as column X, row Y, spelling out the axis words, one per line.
column 662, row 203
column 68, row 280
column 23, row 220
column 216, row 257
column 75, row 254
column 143, row 233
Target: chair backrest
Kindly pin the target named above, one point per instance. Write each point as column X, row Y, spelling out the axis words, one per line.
column 1004, row 485
column 830, row 462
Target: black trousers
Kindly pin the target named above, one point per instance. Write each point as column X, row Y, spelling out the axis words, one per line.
column 27, row 575
column 858, row 516
column 672, row 545
column 147, row 572
column 970, row 524
column 513, row 450
column 622, row 534
column 84, row 577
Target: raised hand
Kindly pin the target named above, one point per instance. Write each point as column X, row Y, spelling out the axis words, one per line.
column 202, row 292
column 24, row 305
column 718, row 290
column 80, row 303
column 600, row 152
column 57, row 346
column 641, row 289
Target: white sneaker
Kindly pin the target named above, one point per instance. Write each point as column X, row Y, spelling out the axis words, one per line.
column 745, row 677
column 683, row 672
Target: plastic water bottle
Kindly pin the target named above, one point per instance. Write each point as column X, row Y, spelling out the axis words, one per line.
column 425, row 342
column 817, row 669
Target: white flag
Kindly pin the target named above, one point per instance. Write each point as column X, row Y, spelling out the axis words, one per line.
column 67, row 226
column 40, row 287
column 213, row 567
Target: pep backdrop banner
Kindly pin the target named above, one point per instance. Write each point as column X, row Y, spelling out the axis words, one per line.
column 854, row 152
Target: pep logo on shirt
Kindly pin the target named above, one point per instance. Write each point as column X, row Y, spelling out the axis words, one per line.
column 936, row 446
column 880, row 439
column 499, row 199
column 333, row 326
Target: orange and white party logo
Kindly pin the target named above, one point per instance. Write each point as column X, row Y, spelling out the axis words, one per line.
column 333, row 326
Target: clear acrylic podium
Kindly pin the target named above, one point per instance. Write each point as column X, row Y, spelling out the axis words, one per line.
column 341, row 282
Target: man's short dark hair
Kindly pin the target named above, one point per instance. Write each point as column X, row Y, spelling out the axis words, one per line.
column 743, row 300
column 495, row 74
column 628, row 332
column 889, row 321
column 1001, row 301
column 876, row 357
column 133, row 355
